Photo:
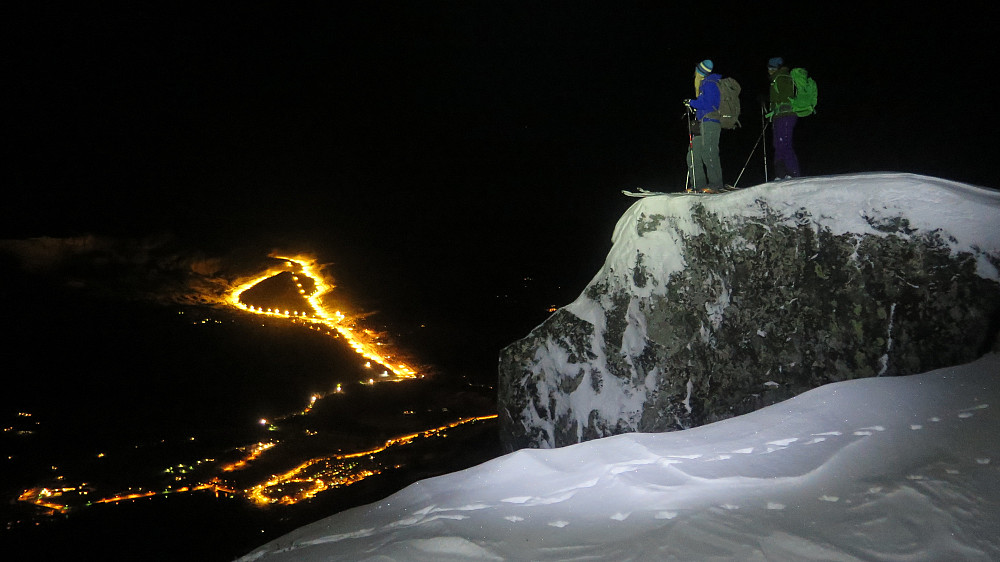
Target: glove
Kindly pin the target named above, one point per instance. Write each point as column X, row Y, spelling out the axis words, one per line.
column 687, row 104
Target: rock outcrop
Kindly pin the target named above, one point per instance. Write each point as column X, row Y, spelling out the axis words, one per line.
column 711, row 306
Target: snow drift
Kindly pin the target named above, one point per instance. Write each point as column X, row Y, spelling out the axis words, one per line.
column 870, row 469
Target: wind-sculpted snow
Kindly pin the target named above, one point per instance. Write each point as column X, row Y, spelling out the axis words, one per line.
column 713, row 306
column 868, row 469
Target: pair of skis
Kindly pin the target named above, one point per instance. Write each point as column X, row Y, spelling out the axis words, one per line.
column 646, row 193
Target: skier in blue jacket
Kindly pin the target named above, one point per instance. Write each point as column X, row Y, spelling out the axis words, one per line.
column 704, row 166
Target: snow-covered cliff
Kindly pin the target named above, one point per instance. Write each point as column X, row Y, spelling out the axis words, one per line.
column 711, row 306
column 867, row 469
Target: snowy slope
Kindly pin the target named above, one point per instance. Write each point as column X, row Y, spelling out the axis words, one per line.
column 902, row 468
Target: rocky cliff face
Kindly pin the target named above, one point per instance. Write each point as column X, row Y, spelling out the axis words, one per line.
column 711, row 306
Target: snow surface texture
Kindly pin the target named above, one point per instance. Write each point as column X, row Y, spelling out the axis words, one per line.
column 844, row 204
column 710, row 306
column 896, row 468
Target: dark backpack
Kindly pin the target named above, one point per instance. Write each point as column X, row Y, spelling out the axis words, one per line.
column 806, row 93
column 729, row 103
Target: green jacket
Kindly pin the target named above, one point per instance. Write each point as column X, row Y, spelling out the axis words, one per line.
column 782, row 90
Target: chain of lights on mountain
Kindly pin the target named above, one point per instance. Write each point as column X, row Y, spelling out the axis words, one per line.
column 305, row 480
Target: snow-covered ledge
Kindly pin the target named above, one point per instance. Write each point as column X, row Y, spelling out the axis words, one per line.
column 711, row 306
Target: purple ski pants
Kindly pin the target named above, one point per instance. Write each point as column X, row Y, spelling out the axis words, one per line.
column 785, row 161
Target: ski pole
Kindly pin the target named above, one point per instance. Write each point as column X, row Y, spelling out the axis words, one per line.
column 747, row 163
column 693, row 185
column 763, row 127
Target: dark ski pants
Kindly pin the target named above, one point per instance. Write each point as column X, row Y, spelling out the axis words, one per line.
column 704, row 166
column 786, row 163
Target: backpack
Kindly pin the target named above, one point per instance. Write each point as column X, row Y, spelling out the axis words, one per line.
column 806, row 93
column 729, row 103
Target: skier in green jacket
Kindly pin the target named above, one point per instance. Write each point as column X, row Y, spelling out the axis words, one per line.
column 786, row 163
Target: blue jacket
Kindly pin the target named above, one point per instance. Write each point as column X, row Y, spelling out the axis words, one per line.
column 708, row 99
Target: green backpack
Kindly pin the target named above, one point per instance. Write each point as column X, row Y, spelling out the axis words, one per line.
column 806, row 93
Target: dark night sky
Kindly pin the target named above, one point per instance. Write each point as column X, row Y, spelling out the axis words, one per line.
column 442, row 146
column 486, row 116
